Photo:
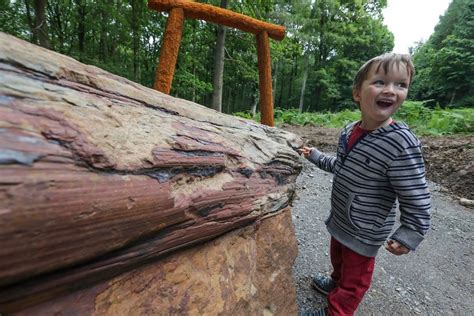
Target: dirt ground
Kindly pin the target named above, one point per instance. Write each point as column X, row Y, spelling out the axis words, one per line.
column 449, row 159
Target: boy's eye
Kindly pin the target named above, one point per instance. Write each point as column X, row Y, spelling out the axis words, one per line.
column 379, row 83
column 402, row 85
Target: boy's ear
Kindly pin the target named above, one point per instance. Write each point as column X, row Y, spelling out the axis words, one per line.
column 356, row 95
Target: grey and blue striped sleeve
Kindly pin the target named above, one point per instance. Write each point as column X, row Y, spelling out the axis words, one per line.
column 407, row 176
column 322, row 160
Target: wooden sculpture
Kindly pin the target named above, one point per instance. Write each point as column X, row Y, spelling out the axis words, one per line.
column 182, row 9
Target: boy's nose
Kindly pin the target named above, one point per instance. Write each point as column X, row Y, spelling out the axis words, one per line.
column 389, row 88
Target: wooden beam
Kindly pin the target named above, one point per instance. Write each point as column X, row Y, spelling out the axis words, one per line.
column 169, row 51
column 221, row 16
column 265, row 79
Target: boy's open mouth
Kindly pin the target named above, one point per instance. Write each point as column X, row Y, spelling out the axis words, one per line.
column 385, row 103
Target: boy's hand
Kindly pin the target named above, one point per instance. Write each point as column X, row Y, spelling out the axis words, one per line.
column 306, row 151
column 396, row 248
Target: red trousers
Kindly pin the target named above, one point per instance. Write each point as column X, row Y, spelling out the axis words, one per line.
column 353, row 274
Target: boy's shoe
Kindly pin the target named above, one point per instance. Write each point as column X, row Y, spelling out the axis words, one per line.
column 323, row 284
column 320, row 312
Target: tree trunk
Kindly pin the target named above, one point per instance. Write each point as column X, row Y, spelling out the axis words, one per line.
column 58, row 27
column 280, row 97
column 303, row 86
column 81, row 25
column 30, row 21
column 275, row 79
column 104, row 40
column 253, row 108
column 293, row 73
column 218, row 78
column 136, row 34
column 100, row 175
column 41, row 28
column 194, row 85
column 453, row 95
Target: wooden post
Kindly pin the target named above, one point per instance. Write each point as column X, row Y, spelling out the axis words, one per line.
column 265, row 79
column 169, row 51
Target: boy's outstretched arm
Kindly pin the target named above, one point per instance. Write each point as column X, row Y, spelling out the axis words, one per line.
column 306, row 151
column 323, row 161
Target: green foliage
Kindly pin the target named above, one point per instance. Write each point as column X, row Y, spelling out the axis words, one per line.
column 121, row 36
column 248, row 115
column 445, row 63
column 293, row 117
column 336, row 38
column 437, row 121
column 244, row 114
column 11, row 20
column 326, row 42
column 421, row 119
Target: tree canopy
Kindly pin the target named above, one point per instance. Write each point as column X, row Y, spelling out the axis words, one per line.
column 313, row 67
column 445, row 63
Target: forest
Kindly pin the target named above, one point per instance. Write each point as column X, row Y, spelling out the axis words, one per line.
column 313, row 66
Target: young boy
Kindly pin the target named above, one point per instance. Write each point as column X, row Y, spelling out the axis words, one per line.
column 378, row 161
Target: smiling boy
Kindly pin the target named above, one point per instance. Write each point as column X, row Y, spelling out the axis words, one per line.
column 378, row 163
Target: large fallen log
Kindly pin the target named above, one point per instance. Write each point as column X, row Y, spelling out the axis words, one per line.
column 99, row 175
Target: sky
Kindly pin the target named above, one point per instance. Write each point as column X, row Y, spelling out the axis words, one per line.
column 412, row 20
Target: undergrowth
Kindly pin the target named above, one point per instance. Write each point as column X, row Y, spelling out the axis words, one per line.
column 422, row 120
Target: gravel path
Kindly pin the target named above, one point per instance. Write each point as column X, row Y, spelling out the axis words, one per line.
column 437, row 279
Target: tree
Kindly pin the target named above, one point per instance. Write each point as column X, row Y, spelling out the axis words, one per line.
column 445, row 62
column 343, row 35
column 40, row 28
column 326, row 42
column 136, row 24
column 12, row 20
column 218, row 77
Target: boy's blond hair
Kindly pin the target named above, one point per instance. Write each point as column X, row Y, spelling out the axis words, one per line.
column 386, row 61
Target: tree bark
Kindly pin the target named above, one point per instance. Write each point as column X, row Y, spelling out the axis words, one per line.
column 218, row 78
column 255, row 100
column 100, row 175
column 293, row 74
column 81, row 25
column 30, row 21
column 41, row 27
column 275, row 80
column 303, row 86
column 453, row 95
column 104, row 38
column 137, row 8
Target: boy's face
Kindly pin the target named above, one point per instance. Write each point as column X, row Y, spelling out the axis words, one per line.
column 381, row 94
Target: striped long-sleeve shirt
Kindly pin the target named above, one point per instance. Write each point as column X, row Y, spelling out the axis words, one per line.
column 380, row 168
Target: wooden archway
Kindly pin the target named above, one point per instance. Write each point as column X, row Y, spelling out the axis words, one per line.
column 187, row 9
